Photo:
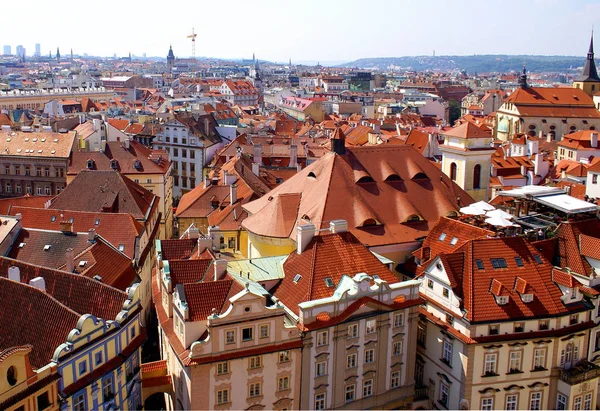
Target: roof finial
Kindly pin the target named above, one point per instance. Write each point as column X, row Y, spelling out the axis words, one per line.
column 523, row 78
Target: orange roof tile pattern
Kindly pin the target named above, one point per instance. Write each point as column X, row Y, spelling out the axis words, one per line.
column 202, row 298
column 387, row 187
column 327, row 256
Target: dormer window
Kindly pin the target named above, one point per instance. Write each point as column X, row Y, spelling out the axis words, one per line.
column 90, row 164
column 442, row 237
column 527, row 298
column 502, row 300
column 114, row 164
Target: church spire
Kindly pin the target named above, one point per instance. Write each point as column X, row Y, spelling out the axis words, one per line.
column 590, row 73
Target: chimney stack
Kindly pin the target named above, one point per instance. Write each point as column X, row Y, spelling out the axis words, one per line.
column 126, row 143
column 232, row 193
column 258, row 153
column 39, row 283
column 338, row 226
column 14, row 274
column 66, row 226
column 594, row 139
column 255, row 168
column 305, row 235
column 92, row 235
column 220, row 268
column 206, row 127
column 193, row 232
column 70, row 257
column 293, row 155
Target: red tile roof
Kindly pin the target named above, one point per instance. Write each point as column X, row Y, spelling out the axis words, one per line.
column 202, row 298
column 177, row 249
column 26, row 201
column 324, row 190
column 569, row 252
column 467, row 130
column 327, row 256
column 189, row 271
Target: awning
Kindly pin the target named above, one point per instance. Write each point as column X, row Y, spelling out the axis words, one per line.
column 566, row 203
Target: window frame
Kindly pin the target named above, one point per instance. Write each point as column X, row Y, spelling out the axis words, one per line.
column 369, row 356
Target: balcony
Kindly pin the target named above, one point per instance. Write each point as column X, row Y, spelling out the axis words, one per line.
column 583, row 371
column 421, row 392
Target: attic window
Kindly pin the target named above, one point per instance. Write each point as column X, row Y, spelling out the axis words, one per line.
column 527, row 298
column 53, row 219
column 121, row 247
column 538, row 259
column 297, row 278
column 453, row 241
column 329, row 282
column 82, row 263
column 442, row 237
column 414, row 218
column 21, row 245
column 420, row 176
column 519, row 261
column 71, row 220
column 369, row 222
column 502, row 300
column 365, row 179
column 480, row 265
column 137, row 164
column 90, row 164
column 311, row 175
column 393, row 177
column 97, row 221
column 498, row 262
column 47, row 247
column 114, row 164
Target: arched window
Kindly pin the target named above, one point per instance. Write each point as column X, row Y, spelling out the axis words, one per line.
column 477, row 177
column 453, row 170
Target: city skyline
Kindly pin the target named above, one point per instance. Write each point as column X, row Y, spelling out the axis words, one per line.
column 327, row 32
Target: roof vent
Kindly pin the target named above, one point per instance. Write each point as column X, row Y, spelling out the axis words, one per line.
column 47, row 247
column 329, row 282
column 82, row 263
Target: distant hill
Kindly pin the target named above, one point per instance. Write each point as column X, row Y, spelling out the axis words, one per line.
column 476, row 63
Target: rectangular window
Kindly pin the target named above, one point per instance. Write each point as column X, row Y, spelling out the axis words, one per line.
column 222, row 368
column 367, row 388
column 519, row 327
column 321, row 368
column 283, row 383
column 107, row 389
column 192, row 154
column 350, row 392
column 322, row 338
column 183, row 153
column 395, row 379
column 17, row 170
column 430, row 283
column 561, row 402
column 371, row 325
column 535, row 401
column 421, row 334
column 490, row 364
column 446, row 292
column 284, row 356
column 514, row 362
column 397, row 348
column 594, row 178
column 254, row 390
column 544, row 324
column 487, row 404
column 494, row 329
column 230, row 337
column 79, row 402
column 369, row 356
column 351, row 361
column 247, row 334
column 27, row 170
column 577, row 403
column 398, row 320
column 222, row 396
column 264, row 331
column 82, row 367
column 444, row 394
column 519, row 261
column 447, row 352
column 43, row 401
column 539, row 359
column 98, row 358
column 320, row 401
column 47, row 171
column 587, row 401
column 511, row 402
column 353, row 331
column 255, row 362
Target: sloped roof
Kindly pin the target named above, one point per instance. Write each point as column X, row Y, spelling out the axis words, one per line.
column 105, row 191
column 467, row 130
column 474, row 285
column 326, row 256
column 330, row 189
column 203, row 297
column 571, row 249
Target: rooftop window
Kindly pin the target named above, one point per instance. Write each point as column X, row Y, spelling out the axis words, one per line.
column 453, row 241
column 498, row 262
column 480, row 265
column 329, row 282
column 442, row 237
column 538, row 259
column 47, row 247
column 519, row 261
column 297, row 278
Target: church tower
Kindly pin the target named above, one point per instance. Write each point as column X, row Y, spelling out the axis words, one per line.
column 170, row 58
column 589, row 81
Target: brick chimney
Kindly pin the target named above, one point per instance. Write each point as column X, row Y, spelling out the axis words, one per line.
column 257, row 153
column 70, row 260
column 293, row 155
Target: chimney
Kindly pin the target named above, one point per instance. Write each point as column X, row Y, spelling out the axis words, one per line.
column 66, row 226
column 39, row 283
column 126, row 143
column 232, row 193
column 206, row 182
column 220, row 268
column 14, row 274
column 255, row 168
column 376, row 127
column 338, row 142
column 203, row 244
column 214, row 233
column 193, row 232
column 305, row 234
column 228, row 178
column 541, row 134
column 523, row 170
column 594, row 139
column 293, row 155
column 257, row 153
column 70, row 257
column 206, row 127
column 298, row 167
column 92, row 235
column 338, row 226
column 549, row 137
column 537, row 163
column 249, row 139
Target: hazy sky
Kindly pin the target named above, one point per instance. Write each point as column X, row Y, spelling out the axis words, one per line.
column 323, row 30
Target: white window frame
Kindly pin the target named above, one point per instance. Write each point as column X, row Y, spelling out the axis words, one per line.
column 367, row 388
column 562, row 401
column 369, row 356
column 398, row 320
column 535, row 397
column 487, row 404
column 397, row 348
column 223, row 368
column 351, row 360
column 283, row 383
column 353, row 331
column 222, row 396
column 512, row 402
column 322, row 338
column 321, row 368
column 230, row 337
column 264, row 331
column 350, row 389
column 254, row 389
column 320, row 401
column 395, row 379
column 447, row 351
column 371, row 326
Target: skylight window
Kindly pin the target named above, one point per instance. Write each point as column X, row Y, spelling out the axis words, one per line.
column 498, row 262
column 71, row 220
column 21, row 245
column 121, row 247
column 519, row 261
column 47, row 247
column 442, row 237
column 297, row 278
column 53, row 219
column 97, row 221
column 480, row 265
column 329, row 282
column 453, row 241
column 538, row 259
column 82, row 263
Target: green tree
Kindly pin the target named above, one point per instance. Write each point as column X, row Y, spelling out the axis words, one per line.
column 453, row 111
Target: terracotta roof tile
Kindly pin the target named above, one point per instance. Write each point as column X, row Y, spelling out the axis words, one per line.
column 188, row 271
column 202, row 298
